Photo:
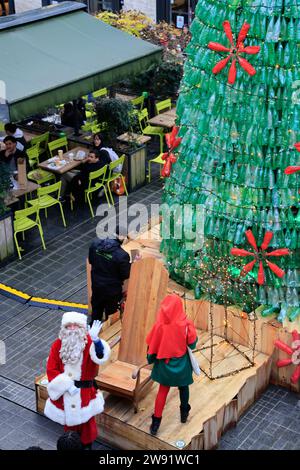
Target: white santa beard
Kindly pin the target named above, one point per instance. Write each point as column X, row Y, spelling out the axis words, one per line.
column 72, row 344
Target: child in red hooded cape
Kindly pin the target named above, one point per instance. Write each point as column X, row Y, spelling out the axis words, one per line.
column 167, row 350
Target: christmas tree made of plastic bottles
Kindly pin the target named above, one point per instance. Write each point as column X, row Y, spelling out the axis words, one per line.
column 239, row 117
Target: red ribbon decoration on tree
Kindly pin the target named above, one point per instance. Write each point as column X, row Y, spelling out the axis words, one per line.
column 293, row 169
column 293, row 352
column 169, row 158
column 235, row 50
column 259, row 256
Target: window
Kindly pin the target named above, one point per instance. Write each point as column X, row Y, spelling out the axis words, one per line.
column 105, row 5
column 183, row 12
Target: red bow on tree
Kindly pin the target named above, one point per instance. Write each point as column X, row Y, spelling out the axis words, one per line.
column 293, row 352
column 260, row 255
column 169, row 158
column 235, row 51
column 293, row 169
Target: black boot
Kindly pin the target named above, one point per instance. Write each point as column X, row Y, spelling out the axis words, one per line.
column 184, row 412
column 155, row 425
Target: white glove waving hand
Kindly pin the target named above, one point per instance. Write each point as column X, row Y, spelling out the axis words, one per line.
column 95, row 330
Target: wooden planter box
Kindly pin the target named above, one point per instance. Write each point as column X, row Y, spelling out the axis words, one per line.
column 134, row 169
column 7, row 246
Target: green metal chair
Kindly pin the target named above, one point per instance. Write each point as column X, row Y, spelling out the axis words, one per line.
column 138, row 102
column 158, row 160
column 23, row 222
column 147, row 129
column 46, row 199
column 99, row 93
column 87, row 127
column 36, row 174
column 113, row 174
column 58, row 144
column 99, row 127
column 42, row 141
column 96, row 183
column 164, row 105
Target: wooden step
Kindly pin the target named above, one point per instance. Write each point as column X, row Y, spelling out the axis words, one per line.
column 118, row 377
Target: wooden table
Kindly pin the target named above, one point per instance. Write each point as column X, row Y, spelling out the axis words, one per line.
column 122, row 97
column 134, row 138
column 10, row 199
column 166, row 119
column 58, row 168
column 18, row 191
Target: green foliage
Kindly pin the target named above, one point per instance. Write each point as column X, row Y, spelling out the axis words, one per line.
column 162, row 80
column 118, row 114
column 4, row 186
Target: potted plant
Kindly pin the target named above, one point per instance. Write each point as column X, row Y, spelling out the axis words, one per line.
column 6, row 223
column 121, row 118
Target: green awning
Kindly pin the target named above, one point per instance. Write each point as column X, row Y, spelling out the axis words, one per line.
column 61, row 58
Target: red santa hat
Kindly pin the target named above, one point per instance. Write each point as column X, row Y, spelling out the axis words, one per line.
column 74, row 317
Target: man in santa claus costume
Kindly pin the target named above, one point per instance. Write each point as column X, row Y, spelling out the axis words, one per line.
column 71, row 369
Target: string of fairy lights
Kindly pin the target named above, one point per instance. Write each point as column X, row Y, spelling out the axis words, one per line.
column 251, row 34
column 201, row 189
column 257, row 64
column 188, row 88
column 235, row 151
column 211, row 278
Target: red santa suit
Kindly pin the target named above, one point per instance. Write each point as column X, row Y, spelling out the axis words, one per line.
column 75, row 411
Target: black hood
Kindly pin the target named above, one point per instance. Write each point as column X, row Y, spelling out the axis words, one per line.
column 107, row 245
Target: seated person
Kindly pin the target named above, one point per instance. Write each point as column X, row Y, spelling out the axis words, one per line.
column 79, row 179
column 13, row 131
column 11, row 153
column 71, row 116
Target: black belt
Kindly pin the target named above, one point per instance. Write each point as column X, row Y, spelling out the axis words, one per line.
column 85, row 383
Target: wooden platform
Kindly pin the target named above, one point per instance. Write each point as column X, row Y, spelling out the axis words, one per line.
column 216, row 404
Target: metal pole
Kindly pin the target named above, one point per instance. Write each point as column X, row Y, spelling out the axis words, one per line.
column 189, row 13
column 11, row 6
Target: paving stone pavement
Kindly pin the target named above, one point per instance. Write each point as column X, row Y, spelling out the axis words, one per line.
column 273, row 422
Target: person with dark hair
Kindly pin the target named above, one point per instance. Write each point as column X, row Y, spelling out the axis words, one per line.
column 110, row 267
column 70, row 440
column 13, row 131
column 11, row 153
column 67, row 116
column 78, row 180
column 98, row 146
column 72, row 116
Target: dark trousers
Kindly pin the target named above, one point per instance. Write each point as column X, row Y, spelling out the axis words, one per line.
column 102, row 307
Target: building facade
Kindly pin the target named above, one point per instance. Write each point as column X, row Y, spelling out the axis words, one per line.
column 179, row 12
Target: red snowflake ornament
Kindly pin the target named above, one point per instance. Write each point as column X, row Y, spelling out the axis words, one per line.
column 260, row 255
column 293, row 352
column 169, row 158
column 235, row 50
column 293, row 169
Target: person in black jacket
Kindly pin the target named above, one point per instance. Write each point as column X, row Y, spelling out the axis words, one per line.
column 110, row 267
column 13, row 131
column 79, row 180
column 11, row 154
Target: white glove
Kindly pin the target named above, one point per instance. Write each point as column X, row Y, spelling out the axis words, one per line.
column 73, row 390
column 95, row 330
